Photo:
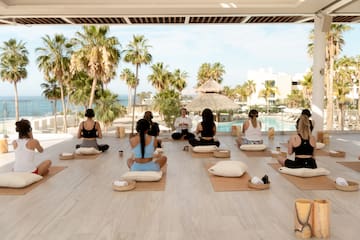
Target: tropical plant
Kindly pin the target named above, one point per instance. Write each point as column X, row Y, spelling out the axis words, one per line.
column 131, row 81
column 178, row 79
column 306, row 84
column 250, row 89
column 13, row 62
column 160, row 77
column 107, row 108
column 98, row 55
column 209, row 71
column 80, row 89
column 167, row 103
column 54, row 61
column 137, row 53
column 53, row 93
column 269, row 91
column 295, row 99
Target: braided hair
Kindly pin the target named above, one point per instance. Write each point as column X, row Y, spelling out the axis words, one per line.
column 142, row 126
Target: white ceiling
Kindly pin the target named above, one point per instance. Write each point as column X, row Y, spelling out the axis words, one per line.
column 170, row 11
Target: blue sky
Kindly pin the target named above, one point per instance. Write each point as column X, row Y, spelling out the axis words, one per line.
column 240, row 48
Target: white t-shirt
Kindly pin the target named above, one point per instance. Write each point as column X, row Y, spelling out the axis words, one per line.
column 24, row 157
column 181, row 120
column 253, row 134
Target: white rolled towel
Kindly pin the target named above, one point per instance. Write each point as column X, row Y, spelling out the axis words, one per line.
column 120, row 183
column 341, row 181
column 256, row 180
column 66, row 154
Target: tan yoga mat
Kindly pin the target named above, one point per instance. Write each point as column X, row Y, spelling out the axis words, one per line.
column 352, row 165
column 265, row 153
column 153, row 186
column 308, row 183
column 21, row 191
column 228, row 184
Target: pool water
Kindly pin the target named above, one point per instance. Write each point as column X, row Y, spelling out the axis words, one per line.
column 267, row 121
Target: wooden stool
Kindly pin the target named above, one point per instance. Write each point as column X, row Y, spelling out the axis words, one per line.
column 4, row 145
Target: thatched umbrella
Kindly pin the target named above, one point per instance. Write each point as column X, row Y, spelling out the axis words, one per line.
column 210, row 97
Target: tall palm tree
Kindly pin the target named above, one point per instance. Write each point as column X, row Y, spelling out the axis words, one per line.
column 137, row 53
column 209, row 71
column 250, row 87
column 178, row 79
column 129, row 77
column 54, row 62
column 53, row 93
column 13, row 62
column 160, row 77
column 217, row 72
column 306, row 83
column 268, row 91
column 98, row 55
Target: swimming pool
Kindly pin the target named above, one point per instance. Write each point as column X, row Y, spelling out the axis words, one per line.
column 276, row 122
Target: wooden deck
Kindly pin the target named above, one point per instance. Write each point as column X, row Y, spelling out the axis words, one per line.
column 79, row 203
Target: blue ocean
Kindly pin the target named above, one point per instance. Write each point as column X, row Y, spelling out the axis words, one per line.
column 36, row 106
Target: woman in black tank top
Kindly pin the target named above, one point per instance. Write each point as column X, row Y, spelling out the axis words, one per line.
column 302, row 144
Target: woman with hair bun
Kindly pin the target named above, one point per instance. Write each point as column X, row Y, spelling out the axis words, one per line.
column 143, row 148
column 89, row 131
column 303, row 145
column 24, row 148
column 251, row 130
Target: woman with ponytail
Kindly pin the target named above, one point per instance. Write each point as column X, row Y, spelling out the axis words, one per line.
column 251, row 130
column 143, row 147
column 24, row 148
column 302, row 144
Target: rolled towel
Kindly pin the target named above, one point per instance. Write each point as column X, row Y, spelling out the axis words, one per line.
column 66, row 154
column 120, row 183
column 256, row 180
column 341, row 181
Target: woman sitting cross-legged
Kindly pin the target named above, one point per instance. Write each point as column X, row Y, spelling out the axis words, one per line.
column 206, row 129
column 251, row 130
column 89, row 131
column 302, row 144
column 143, row 147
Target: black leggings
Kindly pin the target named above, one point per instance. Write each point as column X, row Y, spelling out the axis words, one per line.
column 301, row 163
column 202, row 142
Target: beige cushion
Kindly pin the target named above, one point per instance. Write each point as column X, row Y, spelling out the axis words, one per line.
column 205, row 149
column 253, row 147
column 319, row 145
column 228, row 169
column 304, row 172
column 87, row 151
column 18, row 179
column 142, row 176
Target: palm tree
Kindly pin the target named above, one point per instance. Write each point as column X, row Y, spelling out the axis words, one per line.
column 178, row 79
column 137, row 53
column 306, row 83
column 160, row 77
column 54, row 61
column 80, row 89
column 13, row 62
column 217, row 72
column 208, row 71
column 268, row 91
column 131, row 81
column 97, row 55
column 53, row 93
column 250, row 88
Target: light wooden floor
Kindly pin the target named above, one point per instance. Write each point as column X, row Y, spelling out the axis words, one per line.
column 78, row 203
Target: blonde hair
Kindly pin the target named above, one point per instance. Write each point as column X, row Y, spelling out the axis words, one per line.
column 304, row 127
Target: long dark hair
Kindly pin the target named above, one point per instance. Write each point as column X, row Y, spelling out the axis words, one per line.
column 23, row 127
column 142, row 126
column 253, row 114
column 207, row 119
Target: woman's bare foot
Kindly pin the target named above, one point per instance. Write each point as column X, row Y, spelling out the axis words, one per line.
column 281, row 159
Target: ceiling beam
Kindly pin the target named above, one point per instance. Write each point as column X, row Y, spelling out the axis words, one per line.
column 336, row 5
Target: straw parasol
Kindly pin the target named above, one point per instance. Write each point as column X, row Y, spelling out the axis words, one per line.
column 210, row 97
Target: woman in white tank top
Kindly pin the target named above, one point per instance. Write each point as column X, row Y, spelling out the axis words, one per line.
column 251, row 130
column 25, row 147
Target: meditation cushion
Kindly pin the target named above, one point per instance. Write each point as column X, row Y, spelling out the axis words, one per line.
column 253, row 147
column 142, row 176
column 205, row 149
column 304, row 172
column 319, row 145
column 18, row 179
column 228, row 169
column 87, row 151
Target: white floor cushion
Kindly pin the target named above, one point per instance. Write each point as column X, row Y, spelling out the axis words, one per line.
column 228, row 169
column 143, row 176
column 253, row 147
column 205, row 149
column 87, row 151
column 18, row 179
column 304, row 172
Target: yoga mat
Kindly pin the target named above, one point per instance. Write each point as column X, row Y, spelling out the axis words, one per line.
column 265, row 153
column 86, row 157
column 21, row 191
column 352, row 165
column 153, row 186
column 308, row 183
column 227, row 184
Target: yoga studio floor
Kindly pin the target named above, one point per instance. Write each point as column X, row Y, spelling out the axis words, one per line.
column 79, row 203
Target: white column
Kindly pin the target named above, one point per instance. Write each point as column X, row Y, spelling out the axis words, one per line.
column 317, row 103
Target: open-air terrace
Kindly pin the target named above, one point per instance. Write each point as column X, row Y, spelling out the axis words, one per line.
column 79, row 203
